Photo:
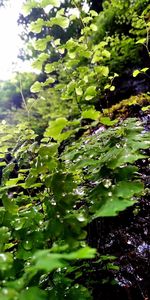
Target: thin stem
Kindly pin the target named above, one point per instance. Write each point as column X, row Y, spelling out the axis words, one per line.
column 23, row 99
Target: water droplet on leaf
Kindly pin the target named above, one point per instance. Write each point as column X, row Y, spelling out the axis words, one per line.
column 27, row 245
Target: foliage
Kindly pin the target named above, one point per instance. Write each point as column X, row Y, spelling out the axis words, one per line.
column 10, row 91
column 121, row 23
column 55, row 179
column 48, row 200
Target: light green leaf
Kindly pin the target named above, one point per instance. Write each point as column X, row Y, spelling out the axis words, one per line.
column 102, row 70
column 48, row 81
column 61, row 21
column 27, row 7
column 38, row 63
column 141, row 41
column 37, row 25
column 107, row 121
column 13, row 181
column 36, row 87
column 57, row 42
column 55, row 3
column 93, row 13
column 135, row 73
column 106, row 53
column 107, row 86
column 145, row 108
column 55, row 128
column 96, row 57
column 144, row 70
column 49, row 68
column 90, row 114
column 90, row 92
column 112, row 88
column 2, row 164
column 41, row 44
column 86, row 20
column 79, row 91
column 72, row 54
column 93, row 27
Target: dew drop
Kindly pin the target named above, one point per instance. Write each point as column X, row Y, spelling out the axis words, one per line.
column 107, row 183
column 27, row 245
column 81, row 218
column 3, row 257
column 18, row 224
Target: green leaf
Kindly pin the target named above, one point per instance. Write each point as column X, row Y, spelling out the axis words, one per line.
column 27, row 7
column 107, row 86
column 38, row 63
column 83, row 253
column 124, row 156
column 112, row 207
column 48, row 81
column 145, row 108
column 41, row 44
column 135, row 73
column 79, row 91
column 90, row 114
column 44, row 260
column 93, row 27
column 86, row 20
column 49, row 68
column 13, row 181
column 57, row 42
column 106, row 53
column 8, row 294
column 144, row 70
column 6, row 261
column 2, row 164
column 141, row 41
column 9, row 204
column 72, row 54
column 61, row 21
column 102, row 70
column 126, row 189
column 90, row 92
column 37, row 25
column 4, row 231
column 55, row 128
column 112, row 88
column 107, row 121
column 33, row 293
column 55, row 3
column 111, row 266
column 93, row 13
column 36, row 87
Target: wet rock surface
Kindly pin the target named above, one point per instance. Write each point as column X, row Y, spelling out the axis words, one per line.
column 127, row 86
column 127, row 238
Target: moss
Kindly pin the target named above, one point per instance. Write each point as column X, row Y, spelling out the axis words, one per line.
column 122, row 109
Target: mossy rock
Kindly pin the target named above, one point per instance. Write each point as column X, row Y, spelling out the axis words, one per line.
column 123, row 109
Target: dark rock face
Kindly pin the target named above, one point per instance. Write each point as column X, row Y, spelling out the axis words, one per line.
column 125, row 239
column 97, row 5
column 127, row 86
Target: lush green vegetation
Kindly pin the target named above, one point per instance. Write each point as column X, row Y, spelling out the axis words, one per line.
column 65, row 161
